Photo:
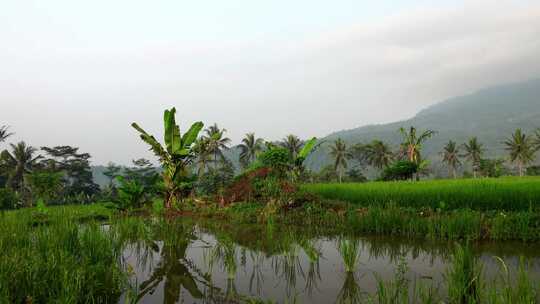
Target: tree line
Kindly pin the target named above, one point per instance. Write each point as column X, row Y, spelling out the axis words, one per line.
column 197, row 161
column 407, row 161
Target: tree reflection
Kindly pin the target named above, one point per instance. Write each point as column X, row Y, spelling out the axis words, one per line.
column 175, row 269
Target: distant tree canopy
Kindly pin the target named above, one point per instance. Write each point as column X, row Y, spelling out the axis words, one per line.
column 75, row 166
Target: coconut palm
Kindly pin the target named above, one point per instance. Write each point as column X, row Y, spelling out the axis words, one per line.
column 473, row 153
column 177, row 154
column 20, row 161
column 250, row 148
column 341, row 154
column 412, row 143
column 203, row 154
column 450, row 155
column 217, row 142
column 378, row 154
column 293, row 144
column 521, row 149
column 537, row 140
column 4, row 133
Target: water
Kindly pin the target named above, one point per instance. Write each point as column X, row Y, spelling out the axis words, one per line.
column 219, row 262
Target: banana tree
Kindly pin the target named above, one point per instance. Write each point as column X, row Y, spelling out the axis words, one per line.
column 177, row 154
column 298, row 160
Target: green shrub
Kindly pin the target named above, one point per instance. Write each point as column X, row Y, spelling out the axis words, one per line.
column 8, row 199
column 401, row 170
column 276, row 158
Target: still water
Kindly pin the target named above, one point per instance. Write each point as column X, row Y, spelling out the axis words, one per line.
column 191, row 261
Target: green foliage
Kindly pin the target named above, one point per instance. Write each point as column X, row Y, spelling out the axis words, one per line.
column 355, row 175
column 8, row 199
column 533, row 171
column 276, row 158
column 78, row 179
column 45, row 185
column 350, row 253
column 59, row 262
column 131, row 194
column 521, row 149
column 492, row 168
column 401, row 170
column 157, row 206
column 40, row 206
column 176, row 156
column 214, row 180
column 511, row 194
column 464, row 277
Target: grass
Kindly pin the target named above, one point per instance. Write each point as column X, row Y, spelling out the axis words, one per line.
column 464, row 283
column 47, row 256
column 502, row 194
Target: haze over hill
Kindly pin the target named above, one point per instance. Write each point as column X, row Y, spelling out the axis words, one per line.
column 491, row 114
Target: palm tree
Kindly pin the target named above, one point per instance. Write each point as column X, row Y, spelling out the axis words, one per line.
column 250, row 148
column 378, row 154
column 293, row 144
column 537, row 140
column 473, row 153
column 217, row 142
column 4, row 133
column 521, row 149
column 203, row 154
column 412, row 143
column 19, row 162
column 341, row 154
column 450, row 155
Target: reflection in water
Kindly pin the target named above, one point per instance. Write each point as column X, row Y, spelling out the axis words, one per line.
column 175, row 269
column 211, row 262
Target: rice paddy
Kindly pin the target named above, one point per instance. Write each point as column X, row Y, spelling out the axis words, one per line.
column 483, row 194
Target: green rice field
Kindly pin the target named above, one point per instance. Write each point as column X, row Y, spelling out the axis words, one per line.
column 504, row 194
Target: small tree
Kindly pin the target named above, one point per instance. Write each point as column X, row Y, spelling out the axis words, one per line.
column 450, row 155
column 473, row 153
column 341, row 154
column 521, row 149
column 177, row 154
column 401, row 170
column 45, row 185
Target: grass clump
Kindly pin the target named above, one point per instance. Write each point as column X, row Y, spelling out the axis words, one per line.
column 60, row 261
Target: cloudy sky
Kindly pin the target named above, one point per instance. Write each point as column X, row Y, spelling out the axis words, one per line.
column 79, row 72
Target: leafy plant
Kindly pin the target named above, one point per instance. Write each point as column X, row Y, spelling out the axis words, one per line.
column 131, row 193
column 177, row 154
column 401, row 170
column 8, row 199
column 277, row 159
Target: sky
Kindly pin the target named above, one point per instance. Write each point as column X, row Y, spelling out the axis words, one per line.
column 79, row 72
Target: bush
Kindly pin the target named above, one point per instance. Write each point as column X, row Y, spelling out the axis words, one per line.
column 278, row 159
column 213, row 181
column 8, row 199
column 401, row 170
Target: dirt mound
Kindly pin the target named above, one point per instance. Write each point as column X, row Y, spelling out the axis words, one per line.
column 242, row 189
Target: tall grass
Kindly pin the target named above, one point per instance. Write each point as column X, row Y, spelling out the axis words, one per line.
column 505, row 194
column 57, row 260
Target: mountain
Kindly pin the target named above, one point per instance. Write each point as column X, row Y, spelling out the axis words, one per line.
column 490, row 114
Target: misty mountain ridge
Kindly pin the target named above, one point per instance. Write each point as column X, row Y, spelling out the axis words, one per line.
column 491, row 114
